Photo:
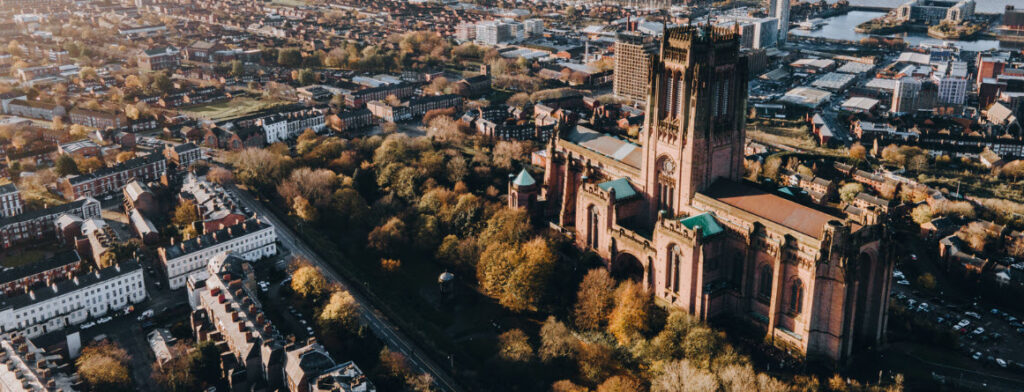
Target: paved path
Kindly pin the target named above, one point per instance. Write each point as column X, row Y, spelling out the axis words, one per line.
column 373, row 318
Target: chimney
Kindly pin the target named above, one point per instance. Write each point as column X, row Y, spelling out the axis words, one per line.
column 241, row 326
column 234, row 316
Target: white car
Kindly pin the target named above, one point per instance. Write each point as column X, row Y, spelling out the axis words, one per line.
column 903, row 282
column 979, row 331
column 963, row 324
column 1000, row 362
column 89, row 325
column 975, row 315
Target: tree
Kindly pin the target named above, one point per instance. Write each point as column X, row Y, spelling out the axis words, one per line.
column 518, row 100
column 926, row 281
column 388, row 237
column 516, row 275
column 858, row 152
column 88, row 73
column 206, row 366
column 341, row 313
column 567, row 386
column 176, row 375
column 629, row 319
column 306, row 77
column 921, row 214
column 185, row 213
column 89, row 165
column 289, row 57
column 124, row 156
column 595, row 361
column 555, row 340
column 682, row 376
column 621, row 384
column 917, row 163
column 850, row 191
column 505, row 152
column 302, row 208
column 104, row 366
column 594, row 299
column 315, row 185
column 515, row 346
column 65, row 166
column 308, row 281
column 220, row 175
column 161, row 82
column 237, row 68
column 700, row 345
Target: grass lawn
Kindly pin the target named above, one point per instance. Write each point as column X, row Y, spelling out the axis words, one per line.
column 233, row 108
column 789, row 136
column 290, row 3
column 17, row 258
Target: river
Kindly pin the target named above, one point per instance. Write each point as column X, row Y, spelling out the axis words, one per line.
column 841, row 27
column 981, row 6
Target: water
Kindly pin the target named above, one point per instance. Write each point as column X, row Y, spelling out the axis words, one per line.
column 841, row 27
column 981, row 6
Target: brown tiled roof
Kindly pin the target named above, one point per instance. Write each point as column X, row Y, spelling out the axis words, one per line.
column 773, row 208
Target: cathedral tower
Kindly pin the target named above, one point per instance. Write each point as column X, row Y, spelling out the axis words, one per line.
column 694, row 129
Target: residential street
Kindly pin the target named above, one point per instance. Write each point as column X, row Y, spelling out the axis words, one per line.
column 381, row 327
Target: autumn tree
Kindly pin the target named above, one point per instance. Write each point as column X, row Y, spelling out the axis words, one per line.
column 629, row 320
column 556, row 341
column 596, row 361
column 308, row 282
column 176, row 375
column 621, row 383
column 315, row 185
column 341, row 313
column 683, row 376
column 850, row 191
column 516, row 275
column 388, row 237
column 594, row 299
column 514, row 346
column 185, row 213
column 220, row 175
column 858, row 151
column 567, row 386
column 302, row 208
column 104, row 366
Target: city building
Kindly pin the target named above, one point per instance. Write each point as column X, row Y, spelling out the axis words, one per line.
column 99, row 119
column 28, row 368
column 85, row 148
column 675, row 215
column 183, row 155
column 41, row 272
column 534, row 28
column 225, row 309
column 10, row 200
column 931, row 12
column 779, row 9
column 216, row 206
column 494, row 32
column 35, row 109
column 111, row 179
column 252, row 240
column 951, row 79
column 72, row 301
column 157, row 59
column 412, row 108
column 905, row 96
column 38, row 225
column 289, row 125
column 345, row 377
column 633, row 54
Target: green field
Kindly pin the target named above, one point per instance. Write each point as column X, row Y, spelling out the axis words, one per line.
column 230, row 109
column 17, row 258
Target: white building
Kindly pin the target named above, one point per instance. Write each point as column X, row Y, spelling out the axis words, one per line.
column 494, row 32
column 252, row 240
column 533, row 27
column 28, row 369
column 284, row 126
column 73, row 301
column 10, row 201
column 779, row 9
column 951, row 78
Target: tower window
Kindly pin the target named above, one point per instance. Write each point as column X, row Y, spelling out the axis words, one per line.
column 764, row 287
column 796, row 297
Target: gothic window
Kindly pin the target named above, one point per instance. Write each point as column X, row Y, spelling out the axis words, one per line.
column 715, row 97
column 666, row 196
column 737, row 270
column 764, row 286
column 672, row 268
column 796, row 297
column 593, row 221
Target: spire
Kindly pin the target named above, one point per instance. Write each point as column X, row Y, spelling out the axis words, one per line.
column 524, row 179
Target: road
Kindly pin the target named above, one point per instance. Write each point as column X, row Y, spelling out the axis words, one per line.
column 380, row 326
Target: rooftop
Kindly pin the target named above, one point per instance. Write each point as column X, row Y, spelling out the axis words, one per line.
column 770, row 207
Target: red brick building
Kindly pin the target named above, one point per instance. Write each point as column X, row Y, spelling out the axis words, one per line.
column 113, row 179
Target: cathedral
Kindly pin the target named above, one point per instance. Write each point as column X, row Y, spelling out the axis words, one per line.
column 675, row 213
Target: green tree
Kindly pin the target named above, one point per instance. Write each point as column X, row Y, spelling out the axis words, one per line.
column 237, row 68
column 306, row 77
column 185, row 213
column 206, row 366
column 161, row 82
column 176, row 375
column 516, row 275
column 556, row 341
column 65, row 166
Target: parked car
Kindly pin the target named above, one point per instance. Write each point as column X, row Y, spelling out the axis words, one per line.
column 978, row 331
column 89, row 325
column 977, row 355
column 972, row 314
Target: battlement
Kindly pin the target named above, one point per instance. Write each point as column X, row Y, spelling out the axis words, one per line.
column 684, row 36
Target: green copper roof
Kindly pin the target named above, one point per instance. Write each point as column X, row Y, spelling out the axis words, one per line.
column 621, row 186
column 523, row 179
column 706, row 221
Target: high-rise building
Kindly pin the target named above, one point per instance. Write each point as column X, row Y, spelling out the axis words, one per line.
column 951, row 79
column 533, row 27
column 673, row 213
column 780, row 10
column 904, row 96
column 465, row 32
column 494, row 32
column 633, row 55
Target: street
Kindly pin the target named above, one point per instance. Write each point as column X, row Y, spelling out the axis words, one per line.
column 382, row 328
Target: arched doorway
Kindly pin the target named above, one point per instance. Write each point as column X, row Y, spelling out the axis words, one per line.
column 627, row 266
